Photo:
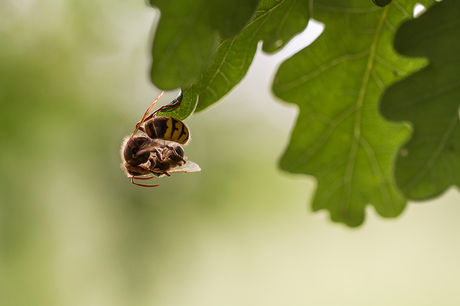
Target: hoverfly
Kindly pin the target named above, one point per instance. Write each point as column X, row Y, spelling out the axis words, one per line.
column 146, row 156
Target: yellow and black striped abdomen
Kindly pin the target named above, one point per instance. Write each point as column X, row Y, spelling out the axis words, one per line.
column 167, row 128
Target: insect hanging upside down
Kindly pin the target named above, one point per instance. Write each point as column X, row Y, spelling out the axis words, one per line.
column 157, row 150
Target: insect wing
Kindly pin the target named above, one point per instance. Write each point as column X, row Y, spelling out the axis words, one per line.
column 189, row 166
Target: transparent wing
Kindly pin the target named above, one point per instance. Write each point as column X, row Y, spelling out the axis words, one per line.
column 189, row 166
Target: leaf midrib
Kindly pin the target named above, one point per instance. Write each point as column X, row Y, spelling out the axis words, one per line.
column 347, row 179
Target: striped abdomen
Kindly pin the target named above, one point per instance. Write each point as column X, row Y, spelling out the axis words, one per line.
column 167, row 128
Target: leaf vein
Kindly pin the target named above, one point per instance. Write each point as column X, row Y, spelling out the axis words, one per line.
column 399, row 7
column 306, row 77
column 378, row 80
column 391, row 27
column 324, row 136
column 364, row 10
column 434, row 157
column 283, row 21
column 211, row 80
column 358, row 115
column 389, row 65
column 384, row 192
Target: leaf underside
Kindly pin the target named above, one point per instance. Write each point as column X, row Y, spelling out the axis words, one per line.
column 274, row 22
column 188, row 33
column 430, row 99
column 340, row 137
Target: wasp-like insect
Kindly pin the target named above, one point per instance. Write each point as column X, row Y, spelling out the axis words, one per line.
column 146, row 156
column 171, row 159
column 165, row 128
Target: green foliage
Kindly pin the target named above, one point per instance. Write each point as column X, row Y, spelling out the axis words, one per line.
column 187, row 35
column 382, row 3
column 186, row 108
column 275, row 22
column 340, row 137
column 429, row 99
column 74, row 231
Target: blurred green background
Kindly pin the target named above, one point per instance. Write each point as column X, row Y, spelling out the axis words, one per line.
column 74, row 231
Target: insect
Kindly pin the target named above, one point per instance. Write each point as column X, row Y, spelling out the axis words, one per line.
column 146, row 157
column 163, row 160
column 171, row 160
column 166, row 128
column 136, row 152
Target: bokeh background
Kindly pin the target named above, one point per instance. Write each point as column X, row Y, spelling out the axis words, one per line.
column 74, row 231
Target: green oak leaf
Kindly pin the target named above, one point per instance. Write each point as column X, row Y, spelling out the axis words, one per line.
column 187, row 106
column 275, row 22
column 382, row 3
column 229, row 17
column 429, row 99
column 188, row 34
column 339, row 136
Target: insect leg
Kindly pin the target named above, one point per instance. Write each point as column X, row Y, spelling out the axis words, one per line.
column 171, row 106
column 143, row 178
column 144, row 118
